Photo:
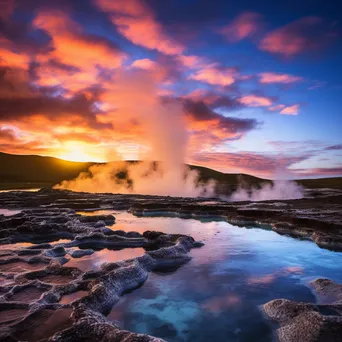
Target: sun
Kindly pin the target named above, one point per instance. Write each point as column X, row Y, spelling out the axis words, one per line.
column 74, row 151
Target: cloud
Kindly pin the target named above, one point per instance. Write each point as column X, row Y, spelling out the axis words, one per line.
column 263, row 165
column 72, row 46
column 215, row 75
column 291, row 110
column 317, row 84
column 245, row 25
column 190, row 61
column 334, row 147
column 136, row 22
column 202, row 113
column 255, row 101
column 12, row 59
column 144, row 63
column 23, row 103
column 303, row 35
column 6, row 8
column 300, row 145
column 319, row 172
column 208, row 129
column 276, row 108
column 213, row 100
column 273, row 77
column 7, row 135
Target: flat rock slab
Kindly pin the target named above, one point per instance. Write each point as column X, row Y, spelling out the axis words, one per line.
column 10, row 316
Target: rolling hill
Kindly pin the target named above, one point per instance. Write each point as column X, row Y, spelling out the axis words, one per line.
column 31, row 171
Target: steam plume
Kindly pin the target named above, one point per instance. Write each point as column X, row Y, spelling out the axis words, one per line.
column 136, row 96
column 278, row 190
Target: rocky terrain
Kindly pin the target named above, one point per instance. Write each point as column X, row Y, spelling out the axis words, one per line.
column 318, row 216
column 42, row 298
column 35, row 280
column 309, row 322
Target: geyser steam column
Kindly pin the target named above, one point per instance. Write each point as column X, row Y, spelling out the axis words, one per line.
column 164, row 132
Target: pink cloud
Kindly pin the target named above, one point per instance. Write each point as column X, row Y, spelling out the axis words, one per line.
column 276, row 107
column 137, row 23
column 214, row 75
column 273, row 77
column 262, row 165
column 144, row 63
column 320, row 171
column 291, row 110
column 302, row 35
column 255, row 101
column 245, row 25
column 190, row 61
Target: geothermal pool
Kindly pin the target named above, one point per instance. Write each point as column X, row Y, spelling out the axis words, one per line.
column 218, row 294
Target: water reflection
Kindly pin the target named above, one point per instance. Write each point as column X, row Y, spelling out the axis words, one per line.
column 94, row 261
column 217, row 295
column 9, row 212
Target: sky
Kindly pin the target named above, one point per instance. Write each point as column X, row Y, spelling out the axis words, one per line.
column 258, row 82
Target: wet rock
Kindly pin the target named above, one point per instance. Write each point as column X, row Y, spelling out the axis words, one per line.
column 79, row 253
column 57, row 251
column 326, row 241
column 93, row 326
column 107, row 219
column 327, row 291
column 309, row 322
column 11, row 313
column 26, row 293
column 90, row 293
column 100, row 224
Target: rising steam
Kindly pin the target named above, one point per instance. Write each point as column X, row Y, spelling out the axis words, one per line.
column 164, row 131
column 278, row 190
column 141, row 178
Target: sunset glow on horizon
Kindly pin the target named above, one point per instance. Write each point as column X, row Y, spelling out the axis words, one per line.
column 257, row 83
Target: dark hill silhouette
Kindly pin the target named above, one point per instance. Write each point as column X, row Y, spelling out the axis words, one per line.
column 29, row 171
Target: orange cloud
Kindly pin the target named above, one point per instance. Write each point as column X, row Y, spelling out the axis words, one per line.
column 305, row 34
column 273, row 77
column 73, row 47
column 255, row 101
column 12, row 59
column 215, row 75
column 136, row 22
column 245, row 25
column 291, row 110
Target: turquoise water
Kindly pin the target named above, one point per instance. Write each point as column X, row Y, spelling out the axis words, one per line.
column 218, row 294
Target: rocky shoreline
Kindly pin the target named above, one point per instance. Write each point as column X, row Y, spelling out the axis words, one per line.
column 317, row 217
column 35, row 280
